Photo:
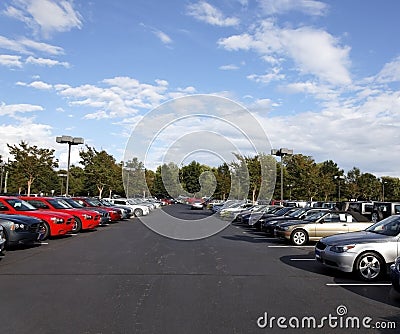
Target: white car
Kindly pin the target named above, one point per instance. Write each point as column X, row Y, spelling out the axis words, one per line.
column 138, row 209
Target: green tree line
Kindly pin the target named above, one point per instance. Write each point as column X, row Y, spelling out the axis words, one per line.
column 34, row 170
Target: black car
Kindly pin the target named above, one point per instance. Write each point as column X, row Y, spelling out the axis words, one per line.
column 244, row 218
column 19, row 229
column 395, row 275
column 269, row 225
column 256, row 222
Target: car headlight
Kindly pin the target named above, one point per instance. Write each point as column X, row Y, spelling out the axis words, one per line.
column 17, row 227
column 341, row 249
column 285, row 228
column 86, row 216
column 397, row 264
column 56, row 220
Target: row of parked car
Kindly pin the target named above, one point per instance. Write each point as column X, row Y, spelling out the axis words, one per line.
column 30, row 219
column 358, row 237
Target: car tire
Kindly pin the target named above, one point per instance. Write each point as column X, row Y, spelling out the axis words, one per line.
column 369, row 266
column 138, row 212
column 78, row 225
column 299, row 237
column 47, row 232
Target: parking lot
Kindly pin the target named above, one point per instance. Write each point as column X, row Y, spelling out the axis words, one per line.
column 124, row 278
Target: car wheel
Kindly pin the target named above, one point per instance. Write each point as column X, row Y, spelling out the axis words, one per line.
column 299, row 237
column 138, row 212
column 369, row 266
column 77, row 226
column 6, row 245
column 45, row 230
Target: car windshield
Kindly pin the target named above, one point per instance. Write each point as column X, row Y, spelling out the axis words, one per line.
column 282, row 211
column 389, row 226
column 94, row 202
column 73, row 203
column 20, row 205
column 297, row 213
column 59, row 204
column 315, row 216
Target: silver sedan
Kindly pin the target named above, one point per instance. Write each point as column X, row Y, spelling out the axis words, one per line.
column 367, row 253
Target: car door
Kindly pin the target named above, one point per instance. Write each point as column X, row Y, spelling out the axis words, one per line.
column 331, row 223
column 354, row 225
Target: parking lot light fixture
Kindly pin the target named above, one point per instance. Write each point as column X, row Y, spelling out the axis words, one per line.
column 70, row 141
column 339, row 177
column 281, row 153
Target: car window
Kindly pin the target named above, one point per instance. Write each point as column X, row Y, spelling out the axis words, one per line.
column 397, row 209
column 59, row 204
column 38, row 204
column 20, row 205
column 332, row 217
column 389, row 226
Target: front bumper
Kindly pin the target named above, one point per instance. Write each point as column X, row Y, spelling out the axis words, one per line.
column 341, row 261
column 395, row 278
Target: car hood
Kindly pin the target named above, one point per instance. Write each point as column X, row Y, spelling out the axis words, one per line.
column 360, row 237
column 20, row 219
column 292, row 222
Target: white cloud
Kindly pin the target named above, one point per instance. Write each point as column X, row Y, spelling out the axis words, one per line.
column 390, row 72
column 163, row 37
column 27, row 46
column 10, row 61
column 313, row 51
column 310, row 7
column 205, row 12
column 12, row 109
column 229, row 67
column 33, row 133
column 46, row 62
column 45, row 16
column 274, row 75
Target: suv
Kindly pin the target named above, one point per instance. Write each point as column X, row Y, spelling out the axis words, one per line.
column 382, row 210
column 365, row 208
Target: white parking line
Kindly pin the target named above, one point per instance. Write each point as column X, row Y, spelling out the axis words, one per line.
column 358, row 284
column 72, row 234
column 43, row 243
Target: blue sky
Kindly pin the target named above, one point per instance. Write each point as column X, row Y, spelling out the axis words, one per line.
column 321, row 77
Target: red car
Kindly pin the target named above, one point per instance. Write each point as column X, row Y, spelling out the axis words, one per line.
column 115, row 214
column 84, row 219
column 54, row 223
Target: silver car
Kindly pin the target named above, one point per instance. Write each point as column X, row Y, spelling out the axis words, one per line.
column 367, row 253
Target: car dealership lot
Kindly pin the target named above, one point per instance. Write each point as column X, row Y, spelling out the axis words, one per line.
column 124, row 278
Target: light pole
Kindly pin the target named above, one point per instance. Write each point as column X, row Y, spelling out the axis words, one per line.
column 70, row 141
column 62, row 182
column 2, row 164
column 281, row 153
column 290, row 191
column 383, row 190
column 339, row 177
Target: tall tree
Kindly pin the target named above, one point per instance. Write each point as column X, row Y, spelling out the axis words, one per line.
column 303, row 171
column 101, row 170
column 31, row 164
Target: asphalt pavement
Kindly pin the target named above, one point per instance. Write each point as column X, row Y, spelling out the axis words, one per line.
column 125, row 278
